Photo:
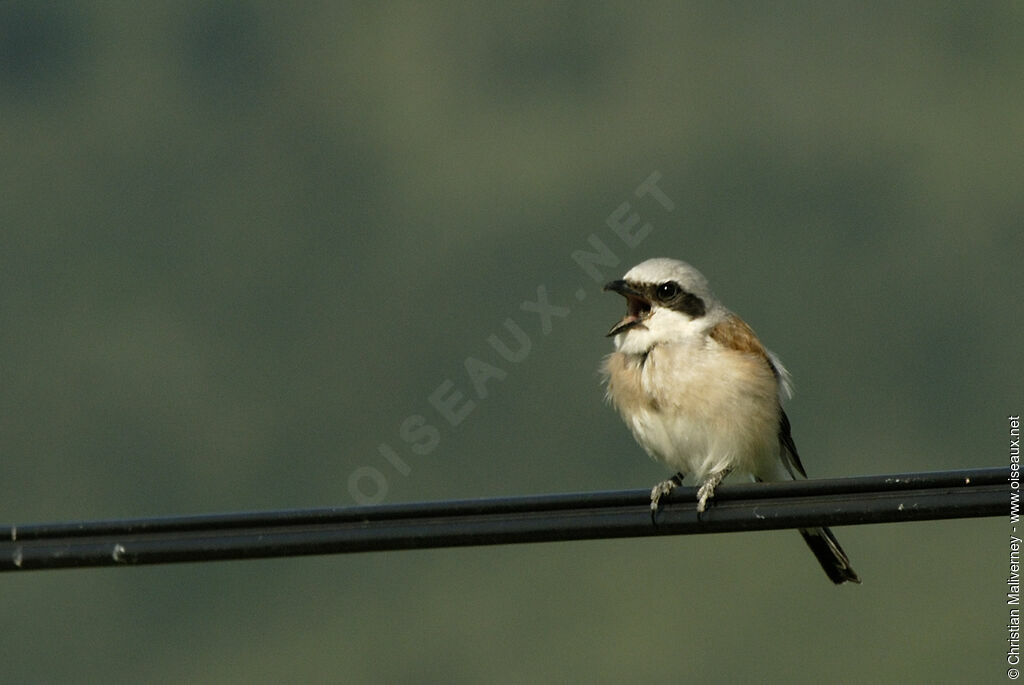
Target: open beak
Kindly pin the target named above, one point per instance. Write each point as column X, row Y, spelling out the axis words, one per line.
column 638, row 307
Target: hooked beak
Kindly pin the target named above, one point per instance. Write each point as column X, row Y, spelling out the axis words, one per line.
column 638, row 307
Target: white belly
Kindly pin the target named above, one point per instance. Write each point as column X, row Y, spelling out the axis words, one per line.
column 699, row 413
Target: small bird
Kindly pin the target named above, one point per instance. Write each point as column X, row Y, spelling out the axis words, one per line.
column 700, row 392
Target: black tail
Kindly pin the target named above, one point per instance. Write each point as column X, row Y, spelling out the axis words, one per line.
column 830, row 555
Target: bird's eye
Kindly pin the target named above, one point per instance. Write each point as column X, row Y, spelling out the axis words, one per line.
column 666, row 291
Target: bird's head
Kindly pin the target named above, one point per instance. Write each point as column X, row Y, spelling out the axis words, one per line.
column 666, row 301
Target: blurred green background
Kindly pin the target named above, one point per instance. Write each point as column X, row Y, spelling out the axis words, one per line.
column 242, row 242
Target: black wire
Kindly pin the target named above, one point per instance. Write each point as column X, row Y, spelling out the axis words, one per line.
column 534, row 518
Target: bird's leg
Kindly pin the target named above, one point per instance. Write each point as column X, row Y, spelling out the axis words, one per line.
column 707, row 488
column 663, row 488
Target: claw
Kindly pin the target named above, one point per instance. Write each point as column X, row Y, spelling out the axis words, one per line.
column 705, row 492
column 707, row 489
column 660, row 490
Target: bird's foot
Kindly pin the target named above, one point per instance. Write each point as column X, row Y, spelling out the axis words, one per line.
column 663, row 488
column 660, row 490
column 707, row 489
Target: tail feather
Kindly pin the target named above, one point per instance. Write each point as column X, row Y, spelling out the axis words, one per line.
column 821, row 540
column 830, row 555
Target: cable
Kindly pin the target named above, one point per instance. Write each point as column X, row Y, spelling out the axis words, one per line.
column 510, row 520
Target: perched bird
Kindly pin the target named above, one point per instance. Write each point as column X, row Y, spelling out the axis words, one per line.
column 700, row 392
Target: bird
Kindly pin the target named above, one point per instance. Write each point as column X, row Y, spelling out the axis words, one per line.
column 701, row 393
